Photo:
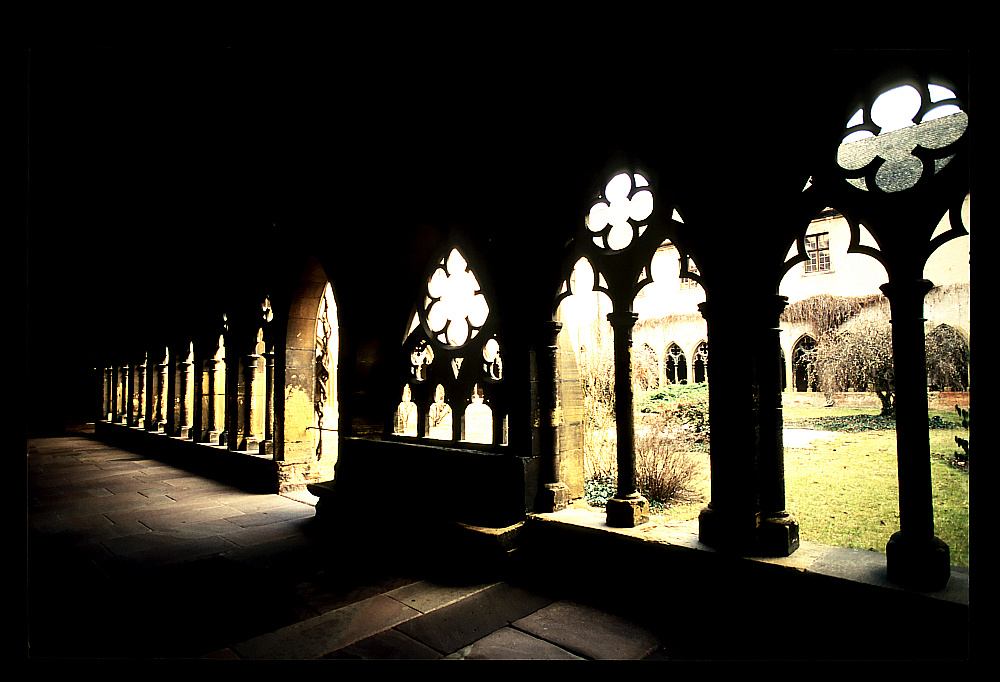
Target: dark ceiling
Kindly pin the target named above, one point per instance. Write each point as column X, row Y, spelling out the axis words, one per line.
column 149, row 161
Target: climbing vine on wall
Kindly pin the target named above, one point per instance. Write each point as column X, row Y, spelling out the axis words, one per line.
column 667, row 320
column 947, row 359
column 324, row 331
column 826, row 311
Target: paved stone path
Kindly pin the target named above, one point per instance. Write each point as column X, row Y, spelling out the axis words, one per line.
column 134, row 558
column 797, row 438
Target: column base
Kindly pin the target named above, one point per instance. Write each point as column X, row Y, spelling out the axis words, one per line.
column 553, row 497
column 214, row 437
column 728, row 531
column 627, row 512
column 920, row 564
column 778, row 535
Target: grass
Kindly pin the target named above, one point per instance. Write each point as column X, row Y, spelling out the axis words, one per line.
column 844, row 491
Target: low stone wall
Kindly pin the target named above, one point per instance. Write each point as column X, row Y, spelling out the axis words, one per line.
column 944, row 400
column 936, row 400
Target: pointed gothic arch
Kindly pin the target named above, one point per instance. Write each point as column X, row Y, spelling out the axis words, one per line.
column 803, row 355
column 676, row 369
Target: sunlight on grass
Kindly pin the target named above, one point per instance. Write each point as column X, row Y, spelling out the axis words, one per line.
column 844, row 491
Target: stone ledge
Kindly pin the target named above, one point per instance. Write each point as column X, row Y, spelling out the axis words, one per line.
column 842, row 563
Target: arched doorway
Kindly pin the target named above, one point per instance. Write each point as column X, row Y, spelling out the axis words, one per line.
column 803, row 354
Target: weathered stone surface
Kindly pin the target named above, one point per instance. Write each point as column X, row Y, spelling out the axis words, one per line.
column 391, row 645
column 508, row 644
column 627, row 513
column 450, row 628
column 318, row 636
column 591, row 633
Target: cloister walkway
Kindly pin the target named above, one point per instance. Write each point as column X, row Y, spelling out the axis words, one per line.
column 131, row 558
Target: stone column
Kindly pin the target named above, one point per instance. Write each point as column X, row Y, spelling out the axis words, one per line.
column 121, row 395
column 139, row 394
column 730, row 519
column 778, row 533
column 184, row 388
column 627, row 508
column 107, row 395
column 251, row 440
column 212, row 430
column 268, row 444
column 915, row 557
column 149, row 413
column 161, row 397
column 554, row 494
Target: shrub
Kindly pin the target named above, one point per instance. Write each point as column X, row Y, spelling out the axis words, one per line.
column 657, row 401
column 664, row 466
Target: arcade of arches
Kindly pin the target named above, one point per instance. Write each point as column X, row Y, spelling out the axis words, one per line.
column 412, row 339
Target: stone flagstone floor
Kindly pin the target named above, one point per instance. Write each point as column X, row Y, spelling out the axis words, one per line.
column 133, row 558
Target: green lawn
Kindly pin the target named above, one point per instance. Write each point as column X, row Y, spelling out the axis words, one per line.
column 844, row 491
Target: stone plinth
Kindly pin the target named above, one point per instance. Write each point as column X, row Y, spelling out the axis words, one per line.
column 627, row 512
column 922, row 563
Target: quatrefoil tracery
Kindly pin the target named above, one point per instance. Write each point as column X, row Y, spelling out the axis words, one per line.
column 901, row 137
column 616, row 219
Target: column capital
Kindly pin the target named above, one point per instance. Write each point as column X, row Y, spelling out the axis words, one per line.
column 780, row 303
column 547, row 330
column 903, row 292
column 623, row 318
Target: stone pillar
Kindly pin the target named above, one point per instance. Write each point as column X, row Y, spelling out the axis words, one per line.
column 121, row 395
column 171, row 407
column 251, row 440
column 267, row 446
column 107, row 395
column 212, row 430
column 627, row 508
column 554, row 494
column 778, row 533
column 139, row 394
column 161, row 396
column 149, row 413
column 184, row 404
column 730, row 519
column 914, row 556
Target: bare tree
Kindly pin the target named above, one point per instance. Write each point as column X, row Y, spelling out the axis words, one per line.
column 859, row 356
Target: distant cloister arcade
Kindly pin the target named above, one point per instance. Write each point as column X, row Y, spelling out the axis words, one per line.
column 261, row 380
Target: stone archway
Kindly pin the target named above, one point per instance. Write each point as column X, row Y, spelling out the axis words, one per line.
column 307, row 414
column 802, row 358
column 675, row 365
